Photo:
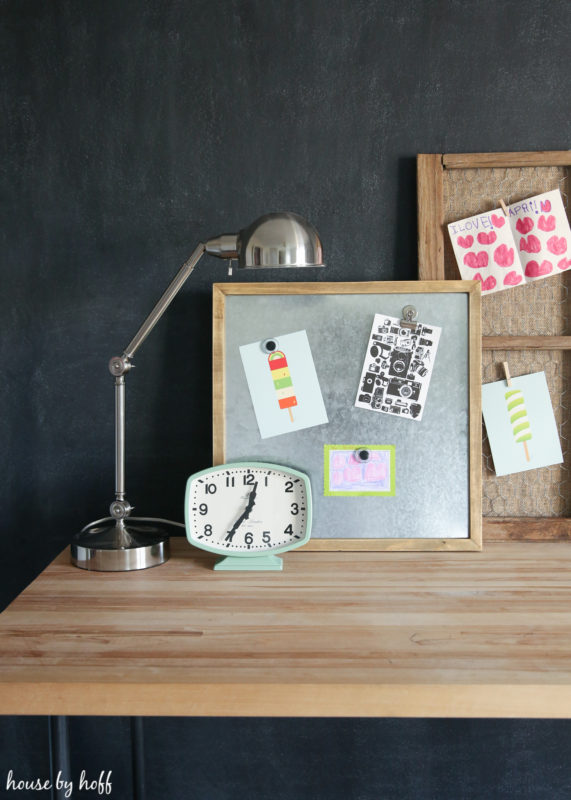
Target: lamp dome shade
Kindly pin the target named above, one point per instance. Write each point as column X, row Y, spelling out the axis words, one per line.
column 281, row 239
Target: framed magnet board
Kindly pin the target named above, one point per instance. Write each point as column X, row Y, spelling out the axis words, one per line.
column 435, row 502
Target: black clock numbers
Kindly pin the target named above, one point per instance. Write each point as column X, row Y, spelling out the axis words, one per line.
column 247, row 508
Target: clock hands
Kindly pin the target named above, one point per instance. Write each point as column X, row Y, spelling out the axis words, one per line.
column 245, row 514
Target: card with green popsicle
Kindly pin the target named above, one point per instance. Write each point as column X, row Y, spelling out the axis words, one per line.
column 520, row 424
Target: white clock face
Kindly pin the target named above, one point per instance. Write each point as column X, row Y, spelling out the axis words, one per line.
column 243, row 509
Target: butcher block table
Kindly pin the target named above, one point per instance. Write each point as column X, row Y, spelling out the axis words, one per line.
column 335, row 634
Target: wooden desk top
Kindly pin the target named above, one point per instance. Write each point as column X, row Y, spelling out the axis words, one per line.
column 336, row 634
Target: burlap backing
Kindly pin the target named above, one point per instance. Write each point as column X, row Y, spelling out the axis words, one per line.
column 540, row 308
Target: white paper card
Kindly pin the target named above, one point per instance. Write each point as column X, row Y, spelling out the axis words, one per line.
column 283, row 385
column 520, row 424
column 533, row 242
column 397, row 368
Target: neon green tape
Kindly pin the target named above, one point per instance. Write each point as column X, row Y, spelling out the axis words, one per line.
column 328, row 492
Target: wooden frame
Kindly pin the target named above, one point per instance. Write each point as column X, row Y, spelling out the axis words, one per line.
column 431, row 169
column 472, row 290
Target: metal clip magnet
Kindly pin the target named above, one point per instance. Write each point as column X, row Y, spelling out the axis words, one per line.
column 409, row 315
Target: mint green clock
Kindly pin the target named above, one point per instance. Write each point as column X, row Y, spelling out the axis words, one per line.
column 248, row 512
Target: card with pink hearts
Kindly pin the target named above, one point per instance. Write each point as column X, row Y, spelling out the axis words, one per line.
column 531, row 243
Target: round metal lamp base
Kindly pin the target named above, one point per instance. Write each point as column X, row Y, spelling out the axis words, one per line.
column 121, row 546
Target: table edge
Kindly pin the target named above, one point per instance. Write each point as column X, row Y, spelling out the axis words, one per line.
column 287, row 700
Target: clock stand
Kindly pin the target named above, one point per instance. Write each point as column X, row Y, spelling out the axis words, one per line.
column 257, row 563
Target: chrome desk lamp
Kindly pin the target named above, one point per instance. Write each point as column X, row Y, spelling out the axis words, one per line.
column 120, row 542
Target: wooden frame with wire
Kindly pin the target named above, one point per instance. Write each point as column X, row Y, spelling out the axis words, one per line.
column 431, row 174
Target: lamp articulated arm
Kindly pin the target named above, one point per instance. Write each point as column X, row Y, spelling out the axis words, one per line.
column 224, row 247
column 119, row 366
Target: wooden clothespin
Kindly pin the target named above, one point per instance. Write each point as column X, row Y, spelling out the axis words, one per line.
column 504, row 208
column 507, row 372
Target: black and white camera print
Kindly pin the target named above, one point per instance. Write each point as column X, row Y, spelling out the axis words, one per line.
column 398, row 367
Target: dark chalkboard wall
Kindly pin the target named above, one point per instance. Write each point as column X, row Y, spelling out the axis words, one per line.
column 132, row 129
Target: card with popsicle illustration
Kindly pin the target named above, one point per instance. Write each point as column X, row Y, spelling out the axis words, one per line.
column 283, row 384
column 520, row 424
column 533, row 242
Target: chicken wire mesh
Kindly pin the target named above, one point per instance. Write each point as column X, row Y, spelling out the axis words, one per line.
column 540, row 308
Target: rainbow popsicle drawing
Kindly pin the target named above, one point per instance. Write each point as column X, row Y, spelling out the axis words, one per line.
column 521, row 429
column 283, row 383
